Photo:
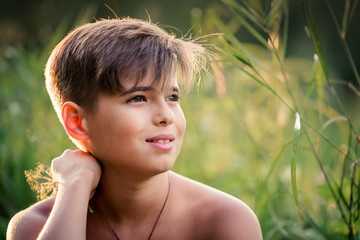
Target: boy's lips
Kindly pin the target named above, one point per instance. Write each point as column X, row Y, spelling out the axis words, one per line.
column 162, row 141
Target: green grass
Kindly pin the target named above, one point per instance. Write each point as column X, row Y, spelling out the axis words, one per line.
column 320, row 173
column 240, row 140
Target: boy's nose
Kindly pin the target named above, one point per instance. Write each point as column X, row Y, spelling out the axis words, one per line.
column 163, row 114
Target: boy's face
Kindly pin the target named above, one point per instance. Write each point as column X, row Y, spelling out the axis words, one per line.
column 140, row 129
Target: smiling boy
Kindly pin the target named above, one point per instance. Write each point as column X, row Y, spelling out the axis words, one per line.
column 113, row 84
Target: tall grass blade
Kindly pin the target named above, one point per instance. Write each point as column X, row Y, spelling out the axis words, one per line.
column 258, row 80
column 333, row 120
column 254, row 5
column 322, row 61
column 245, row 23
column 316, row 43
column 252, row 30
column 318, row 78
column 225, row 30
column 293, row 165
column 250, row 14
column 345, row 20
column 285, row 32
column 276, row 160
column 353, row 9
column 278, row 6
column 345, row 45
column 345, row 163
column 236, row 47
column 238, row 54
column 352, row 87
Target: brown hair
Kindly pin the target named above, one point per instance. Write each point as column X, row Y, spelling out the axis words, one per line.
column 98, row 57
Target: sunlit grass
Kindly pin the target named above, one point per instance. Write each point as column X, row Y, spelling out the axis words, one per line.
column 239, row 140
column 326, row 183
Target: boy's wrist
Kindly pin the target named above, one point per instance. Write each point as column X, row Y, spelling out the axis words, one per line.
column 74, row 186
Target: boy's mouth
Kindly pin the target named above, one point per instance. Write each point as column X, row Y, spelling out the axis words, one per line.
column 162, row 141
column 161, row 138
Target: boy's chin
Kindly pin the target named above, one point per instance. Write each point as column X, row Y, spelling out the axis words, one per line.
column 158, row 168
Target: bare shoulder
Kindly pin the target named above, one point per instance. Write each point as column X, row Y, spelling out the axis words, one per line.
column 28, row 223
column 223, row 216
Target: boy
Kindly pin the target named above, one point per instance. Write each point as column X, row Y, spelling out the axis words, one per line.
column 114, row 86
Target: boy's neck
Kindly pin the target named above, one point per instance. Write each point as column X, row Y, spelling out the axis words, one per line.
column 126, row 199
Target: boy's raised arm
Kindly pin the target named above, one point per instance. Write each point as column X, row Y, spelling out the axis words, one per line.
column 77, row 174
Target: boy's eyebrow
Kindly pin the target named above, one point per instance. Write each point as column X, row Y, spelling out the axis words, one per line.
column 138, row 89
column 145, row 89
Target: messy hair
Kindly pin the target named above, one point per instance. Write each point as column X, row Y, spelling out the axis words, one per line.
column 100, row 57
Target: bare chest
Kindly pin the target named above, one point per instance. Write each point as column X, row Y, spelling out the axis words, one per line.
column 174, row 227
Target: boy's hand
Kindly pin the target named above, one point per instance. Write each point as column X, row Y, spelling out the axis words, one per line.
column 76, row 167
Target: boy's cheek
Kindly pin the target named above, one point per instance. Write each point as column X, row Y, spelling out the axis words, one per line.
column 181, row 123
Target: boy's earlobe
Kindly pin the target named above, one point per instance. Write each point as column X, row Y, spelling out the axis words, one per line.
column 73, row 120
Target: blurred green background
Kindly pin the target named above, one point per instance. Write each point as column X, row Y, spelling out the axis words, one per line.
column 240, row 121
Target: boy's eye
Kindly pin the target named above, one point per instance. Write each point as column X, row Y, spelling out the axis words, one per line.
column 173, row 98
column 137, row 99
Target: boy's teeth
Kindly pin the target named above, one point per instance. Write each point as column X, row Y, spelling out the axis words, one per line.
column 161, row 141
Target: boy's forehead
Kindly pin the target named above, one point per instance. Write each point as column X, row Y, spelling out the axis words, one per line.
column 150, row 81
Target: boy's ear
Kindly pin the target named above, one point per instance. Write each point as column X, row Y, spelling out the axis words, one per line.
column 74, row 120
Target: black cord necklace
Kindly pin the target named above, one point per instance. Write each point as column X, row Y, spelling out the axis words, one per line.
column 156, row 221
